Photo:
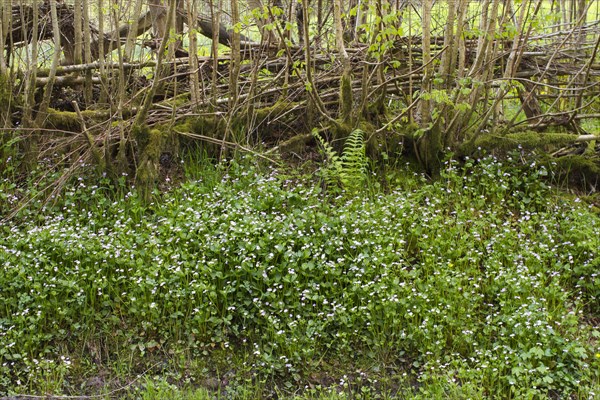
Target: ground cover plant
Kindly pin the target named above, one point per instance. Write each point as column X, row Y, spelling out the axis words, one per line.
column 250, row 283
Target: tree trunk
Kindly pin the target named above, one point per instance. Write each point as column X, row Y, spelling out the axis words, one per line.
column 215, row 14
column 5, row 14
column 158, row 16
column 262, row 19
column 132, row 35
column 78, row 28
column 425, row 109
column 149, row 141
column 31, row 59
column 446, row 70
column 6, row 83
column 195, row 88
column 235, row 55
column 87, row 51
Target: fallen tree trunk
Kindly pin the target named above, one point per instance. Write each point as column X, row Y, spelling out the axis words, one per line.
column 22, row 30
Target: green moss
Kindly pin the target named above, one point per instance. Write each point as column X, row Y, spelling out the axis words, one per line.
column 340, row 131
column 70, row 120
column 5, row 91
column 296, row 144
column 64, row 120
column 208, row 126
column 577, row 161
column 407, row 130
column 6, row 99
column 346, row 99
column 590, row 149
column 183, row 127
column 588, row 166
column 366, row 127
column 141, row 135
column 169, row 137
column 525, row 139
column 149, row 150
column 154, row 147
column 594, row 202
column 177, row 101
column 263, row 114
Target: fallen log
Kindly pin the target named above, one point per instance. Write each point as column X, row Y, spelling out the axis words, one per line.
column 22, row 30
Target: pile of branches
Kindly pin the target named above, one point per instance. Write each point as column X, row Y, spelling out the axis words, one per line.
column 426, row 89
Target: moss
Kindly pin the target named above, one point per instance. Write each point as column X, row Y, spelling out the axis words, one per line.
column 154, row 147
column 148, row 159
column 296, row 144
column 141, row 135
column 4, row 88
column 340, row 131
column 580, row 170
column 525, row 139
column 594, row 202
column 5, row 100
column 64, row 120
column 5, row 92
column 177, row 101
column 346, row 99
column 588, row 166
column 265, row 124
column 210, row 126
column 590, row 148
column 69, row 120
column 264, row 114
column 170, row 139
column 578, row 161
column 407, row 130
column 366, row 127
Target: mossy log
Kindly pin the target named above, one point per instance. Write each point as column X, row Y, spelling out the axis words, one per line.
column 527, row 140
column 265, row 124
column 71, row 121
column 22, row 28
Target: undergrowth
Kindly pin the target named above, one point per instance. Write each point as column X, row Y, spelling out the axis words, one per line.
column 245, row 283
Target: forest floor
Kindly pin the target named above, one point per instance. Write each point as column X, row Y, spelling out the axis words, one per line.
column 244, row 281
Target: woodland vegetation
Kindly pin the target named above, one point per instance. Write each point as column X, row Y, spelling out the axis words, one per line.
column 132, row 82
column 299, row 199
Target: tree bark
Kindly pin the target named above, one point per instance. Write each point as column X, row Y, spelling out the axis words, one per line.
column 78, row 28
column 132, row 34
column 195, row 89
column 215, row 14
column 5, row 13
column 235, row 54
column 425, row 109
column 87, row 54
column 446, row 69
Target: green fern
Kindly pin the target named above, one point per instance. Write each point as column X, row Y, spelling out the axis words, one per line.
column 354, row 160
column 347, row 171
column 332, row 170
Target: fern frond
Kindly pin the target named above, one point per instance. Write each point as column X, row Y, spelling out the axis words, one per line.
column 333, row 169
column 347, row 171
column 354, row 160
